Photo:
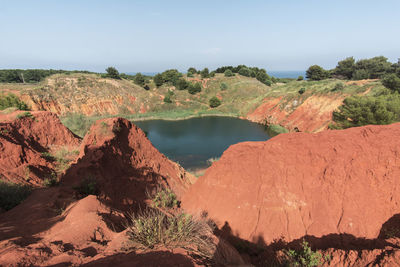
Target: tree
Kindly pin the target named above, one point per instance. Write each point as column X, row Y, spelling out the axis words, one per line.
column 212, row 74
column 214, row 102
column 194, row 88
column 244, row 71
column 316, row 73
column 345, row 68
column 375, row 67
column 228, row 73
column 364, row 110
column 171, row 76
column 182, row 84
column 112, row 73
column 139, row 79
column 300, row 78
column 192, row 70
column 205, row 73
column 392, row 81
column 264, row 78
column 158, row 79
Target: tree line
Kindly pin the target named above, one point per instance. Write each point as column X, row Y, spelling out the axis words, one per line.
column 30, row 75
column 350, row 69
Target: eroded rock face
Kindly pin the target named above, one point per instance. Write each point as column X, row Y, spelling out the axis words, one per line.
column 124, row 164
column 311, row 115
column 23, row 141
column 299, row 184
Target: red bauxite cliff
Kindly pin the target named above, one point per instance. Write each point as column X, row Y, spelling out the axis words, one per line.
column 333, row 183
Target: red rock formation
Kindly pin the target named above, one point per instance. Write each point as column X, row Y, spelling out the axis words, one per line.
column 298, row 184
column 314, row 114
column 22, row 142
column 124, row 163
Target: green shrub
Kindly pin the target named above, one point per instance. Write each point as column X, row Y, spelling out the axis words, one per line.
column 306, row 257
column 316, row 73
column 364, row 110
column 151, row 228
column 194, row 88
column 245, row 72
column 12, row 194
column 300, row 78
column 228, row 73
column 205, row 73
column 302, row 90
column 391, row 82
column 25, row 114
column 79, row 124
column 11, row 100
column 158, row 80
column 50, row 182
column 139, row 79
column 87, row 187
column 165, row 198
column 112, row 73
column 223, row 86
column 214, row 102
column 275, row 129
column 338, row 87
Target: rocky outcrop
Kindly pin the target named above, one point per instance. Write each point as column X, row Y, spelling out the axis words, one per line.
column 313, row 114
column 124, row 164
column 338, row 187
column 24, row 137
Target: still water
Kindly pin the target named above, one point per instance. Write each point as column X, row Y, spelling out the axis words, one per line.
column 192, row 142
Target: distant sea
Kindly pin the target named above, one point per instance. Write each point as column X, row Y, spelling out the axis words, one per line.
column 287, row 73
column 276, row 73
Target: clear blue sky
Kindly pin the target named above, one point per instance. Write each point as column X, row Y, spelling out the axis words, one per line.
column 150, row 36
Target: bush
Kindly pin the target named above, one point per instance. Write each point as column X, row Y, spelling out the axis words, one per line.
column 167, row 98
column 194, row 88
column 191, row 71
column 139, row 79
column 214, row 102
column 151, row 228
column 223, row 86
column 245, row 72
column 364, row 110
column 302, row 90
column 305, row 257
column 112, row 73
column 25, row 114
column 391, row 82
column 275, row 129
column 316, row 73
column 165, row 198
column 300, row 78
column 12, row 194
column 228, row 73
column 87, row 187
column 11, row 100
column 182, row 84
column 79, row 124
column 158, row 79
column 338, row 87
column 205, row 73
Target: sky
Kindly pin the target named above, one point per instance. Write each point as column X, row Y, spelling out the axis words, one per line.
column 152, row 36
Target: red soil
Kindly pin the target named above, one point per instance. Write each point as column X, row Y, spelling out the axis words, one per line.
column 22, row 142
column 338, row 187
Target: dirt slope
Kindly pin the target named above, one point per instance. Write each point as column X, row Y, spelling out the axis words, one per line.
column 23, row 142
column 124, row 164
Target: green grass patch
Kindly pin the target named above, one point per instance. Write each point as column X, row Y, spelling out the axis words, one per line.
column 25, row 114
column 151, row 228
column 164, row 198
column 275, row 129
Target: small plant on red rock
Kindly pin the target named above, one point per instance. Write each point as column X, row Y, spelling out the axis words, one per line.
column 25, row 114
column 87, row 187
column 305, row 257
column 165, row 198
column 151, row 227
